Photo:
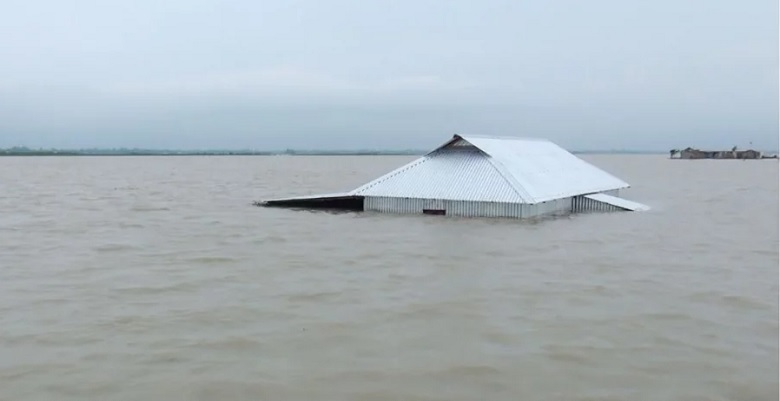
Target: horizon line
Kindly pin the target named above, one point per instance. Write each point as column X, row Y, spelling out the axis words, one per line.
column 23, row 150
column 173, row 151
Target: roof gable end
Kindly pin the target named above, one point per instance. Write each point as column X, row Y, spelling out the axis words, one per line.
column 540, row 170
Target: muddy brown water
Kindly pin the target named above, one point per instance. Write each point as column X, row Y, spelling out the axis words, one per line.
column 127, row 278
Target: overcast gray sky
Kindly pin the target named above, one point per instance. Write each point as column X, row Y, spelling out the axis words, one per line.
column 388, row 74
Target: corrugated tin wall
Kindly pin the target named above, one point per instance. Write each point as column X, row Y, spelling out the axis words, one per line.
column 466, row 208
column 578, row 204
column 582, row 204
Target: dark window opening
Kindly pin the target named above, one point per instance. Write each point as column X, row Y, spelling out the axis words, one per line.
column 438, row 212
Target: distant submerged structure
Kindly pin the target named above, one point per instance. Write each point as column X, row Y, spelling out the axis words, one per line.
column 696, row 154
column 476, row 176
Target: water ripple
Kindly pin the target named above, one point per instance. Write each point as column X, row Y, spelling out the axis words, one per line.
column 139, row 278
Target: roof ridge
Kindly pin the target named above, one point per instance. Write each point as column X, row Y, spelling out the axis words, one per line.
column 506, row 137
column 502, row 171
column 521, row 192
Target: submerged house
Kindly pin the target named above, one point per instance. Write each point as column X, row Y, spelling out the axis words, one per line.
column 696, row 154
column 477, row 176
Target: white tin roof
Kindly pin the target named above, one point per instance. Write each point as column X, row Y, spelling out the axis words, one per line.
column 455, row 175
column 618, row 202
column 494, row 169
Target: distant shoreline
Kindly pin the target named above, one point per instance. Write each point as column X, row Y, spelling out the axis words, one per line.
column 75, row 154
column 143, row 152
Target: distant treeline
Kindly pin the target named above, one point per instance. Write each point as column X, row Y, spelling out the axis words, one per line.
column 25, row 151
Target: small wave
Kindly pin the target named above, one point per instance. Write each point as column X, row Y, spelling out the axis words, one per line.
column 766, row 252
column 130, row 225
column 737, row 301
column 149, row 209
column 211, row 260
column 666, row 316
column 113, row 248
column 571, row 354
column 181, row 286
column 234, row 343
column 471, row 370
column 313, row 297
column 271, row 239
column 745, row 302
column 164, row 358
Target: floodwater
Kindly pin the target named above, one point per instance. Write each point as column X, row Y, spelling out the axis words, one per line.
column 154, row 278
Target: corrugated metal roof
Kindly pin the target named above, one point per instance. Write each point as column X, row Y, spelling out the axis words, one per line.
column 315, row 196
column 541, row 170
column 456, row 174
column 494, row 169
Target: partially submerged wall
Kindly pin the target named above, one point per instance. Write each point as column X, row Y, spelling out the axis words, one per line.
column 466, row 208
